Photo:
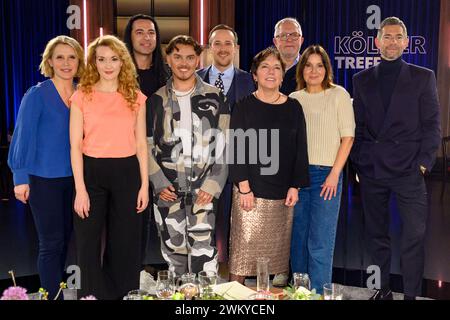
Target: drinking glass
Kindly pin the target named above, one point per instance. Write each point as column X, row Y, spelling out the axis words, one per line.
column 262, row 274
column 332, row 291
column 135, row 295
column 301, row 280
column 187, row 285
column 165, row 284
column 207, row 280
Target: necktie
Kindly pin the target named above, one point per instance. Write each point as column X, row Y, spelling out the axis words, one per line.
column 219, row 83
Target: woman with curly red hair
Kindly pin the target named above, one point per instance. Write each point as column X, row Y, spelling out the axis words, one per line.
column 109, row 161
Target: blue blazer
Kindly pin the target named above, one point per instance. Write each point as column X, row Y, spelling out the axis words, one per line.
column 396, row 142
column 241, row 86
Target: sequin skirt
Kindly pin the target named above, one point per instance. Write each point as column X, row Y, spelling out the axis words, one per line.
column 263, row 232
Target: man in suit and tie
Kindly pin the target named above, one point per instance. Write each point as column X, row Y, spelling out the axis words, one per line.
column 397, row 136
column 234, row 84
column 288, row 39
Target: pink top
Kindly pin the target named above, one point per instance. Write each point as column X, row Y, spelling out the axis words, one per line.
column 109, row 124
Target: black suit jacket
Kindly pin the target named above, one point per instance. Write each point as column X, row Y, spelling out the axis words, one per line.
column 289, row 84
column 241, row 86
column 395, row 142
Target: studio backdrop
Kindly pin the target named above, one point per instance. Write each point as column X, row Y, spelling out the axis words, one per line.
column 345, row 28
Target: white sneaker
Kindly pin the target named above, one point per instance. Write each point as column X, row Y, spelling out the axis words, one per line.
column 280, row 280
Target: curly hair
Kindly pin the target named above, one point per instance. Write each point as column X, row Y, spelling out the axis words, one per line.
column 46, row 69
column 128, row 84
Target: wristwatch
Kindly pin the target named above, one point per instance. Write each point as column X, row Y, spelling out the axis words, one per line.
column 423, row 169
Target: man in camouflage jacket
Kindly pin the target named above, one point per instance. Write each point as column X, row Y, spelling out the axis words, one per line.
column 186, row 125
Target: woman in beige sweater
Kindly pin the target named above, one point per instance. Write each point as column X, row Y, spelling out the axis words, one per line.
column 330, row 128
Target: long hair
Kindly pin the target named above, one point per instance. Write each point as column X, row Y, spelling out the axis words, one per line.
column 157, row 58
column 314, row 49
column 128, row 85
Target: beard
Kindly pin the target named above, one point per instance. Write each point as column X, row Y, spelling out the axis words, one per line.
column 144, row 51
column 183, row 76
column 392, row 55
column 223, row 61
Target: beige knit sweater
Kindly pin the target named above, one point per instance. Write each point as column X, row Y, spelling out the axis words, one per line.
column 329, row 117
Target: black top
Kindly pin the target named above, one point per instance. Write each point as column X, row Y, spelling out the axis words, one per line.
column 148, row 81
column 289, row 84
column 389, row 71
column 289, row 162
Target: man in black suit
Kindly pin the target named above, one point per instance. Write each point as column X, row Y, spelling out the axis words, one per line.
column 288, row 39
column 234, row 84
column 397, row 136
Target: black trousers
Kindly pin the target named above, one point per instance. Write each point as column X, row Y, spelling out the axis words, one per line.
column 411, row 195
column 152, row 248
column 113, row 185
column 223, row 218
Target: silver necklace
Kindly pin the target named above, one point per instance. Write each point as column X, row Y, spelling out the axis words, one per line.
column 186, row 94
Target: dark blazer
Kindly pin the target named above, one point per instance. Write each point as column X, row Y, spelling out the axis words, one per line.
column 395, row 142
column 289, row 84
column 241, row 86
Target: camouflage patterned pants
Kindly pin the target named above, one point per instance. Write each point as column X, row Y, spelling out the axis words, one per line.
column 187, row 235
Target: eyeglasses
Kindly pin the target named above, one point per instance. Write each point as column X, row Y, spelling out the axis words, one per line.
column 292, row 36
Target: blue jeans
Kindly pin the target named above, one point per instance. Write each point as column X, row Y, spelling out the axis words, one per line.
column 314, row 230
column 51, row 201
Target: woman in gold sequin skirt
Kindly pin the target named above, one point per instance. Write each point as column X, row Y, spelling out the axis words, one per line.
column 265, row 191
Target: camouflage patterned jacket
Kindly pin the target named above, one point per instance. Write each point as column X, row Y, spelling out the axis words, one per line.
column 210, row 121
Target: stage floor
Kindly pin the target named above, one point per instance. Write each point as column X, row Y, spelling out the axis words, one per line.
column 19, row 245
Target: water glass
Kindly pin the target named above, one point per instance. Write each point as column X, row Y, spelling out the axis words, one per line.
column 135, row 295
column 34, row 296
column 187, row 285
column 165, row 284
column 207, row 280
column 332, row 291
column 262, row 274
column 301, row 280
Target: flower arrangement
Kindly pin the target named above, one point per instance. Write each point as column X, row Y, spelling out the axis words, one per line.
column 301, row 293
column 15, row 293
column 18, row 293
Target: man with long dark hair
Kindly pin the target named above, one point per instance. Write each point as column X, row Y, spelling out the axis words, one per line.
column 142, row 38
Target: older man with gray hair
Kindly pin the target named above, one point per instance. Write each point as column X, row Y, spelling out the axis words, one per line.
column 288, row 39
